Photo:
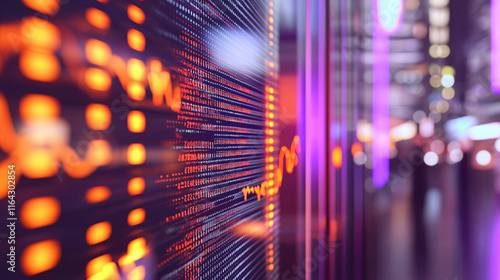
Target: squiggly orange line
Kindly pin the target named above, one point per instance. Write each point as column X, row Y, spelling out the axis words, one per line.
column 287, row 159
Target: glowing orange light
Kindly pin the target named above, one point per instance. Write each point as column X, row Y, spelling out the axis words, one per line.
column 271, row 140
column 138, row 273
column 136, row 121
column 39, row 65
column 98, row 52
column 98, row 18
column 337, row 157
column 271, row 11
column 99, row 152
column 97, row 194
column 271, row 215
column 271, row 20
column 136, row 154
column 49, row 7
column 356, row 148
column 271, row 124
column 271, row 27
column 135, row 14
column 271, row 207
column 271, row 98
column 96, row 265
column 271, row 149
column 98, row 233
column 136, row 40
column 98, row 116
column 271, row 90
column 36, row 107
column 46, row 37
column 136, row 186
column 271, row 107
column 39, row 163
column 136, row 69
column 271, row 35
column 40, row 257
column 97, row 79
column 40, row 212
column 136, row 90
column 136, row 217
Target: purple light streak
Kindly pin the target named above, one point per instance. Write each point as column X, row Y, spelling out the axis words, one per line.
column 495, row 46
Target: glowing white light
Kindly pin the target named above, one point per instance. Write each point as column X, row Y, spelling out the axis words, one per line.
column 484, row 131
column 431, row 158
column 404, row 131
column 448, row 80
column 497, row 145
column 483, row 157
column 426, row 127
column 456, row 155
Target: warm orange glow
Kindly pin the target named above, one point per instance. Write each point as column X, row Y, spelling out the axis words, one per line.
column 136, row 69
column 251, row 229
column 98, row 52
column 49, row 7
column 97, row 79
column 97, row 194
column 271, row 20
column 136, row 90
column 136, row 154
column 271, row 35
column 160, row 84
column 96, row 265
column 136, row 217
column 98, row 18
column 136, row 186
column 39, row 65
column 99, row 152
column 40, row 212
column 271, row 107
column 98, row 233
column 40, row 257
column 337, row 157
column 138, row 273
column 135, row 14
column 271, row 98
column 46, row 37
column 136, row 40
column 36, row 107
column 271, row 64
column 271, row 207
column 98, row 116
column 136, row 121
column 38, row 163
column 356, row 148
column 287, row 160
column 136, row 249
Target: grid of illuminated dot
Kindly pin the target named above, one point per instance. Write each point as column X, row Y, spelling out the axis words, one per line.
column 270, row 152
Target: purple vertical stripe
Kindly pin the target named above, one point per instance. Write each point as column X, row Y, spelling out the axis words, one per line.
column 380, row 103
column 495, row 46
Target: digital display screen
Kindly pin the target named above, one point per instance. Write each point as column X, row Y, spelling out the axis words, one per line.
column 144, row 139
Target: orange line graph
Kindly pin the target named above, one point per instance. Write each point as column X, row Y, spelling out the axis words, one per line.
column 288, row 159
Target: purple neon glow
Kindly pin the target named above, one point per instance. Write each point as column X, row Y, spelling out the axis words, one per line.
column 495, row 46
column 387, row 20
